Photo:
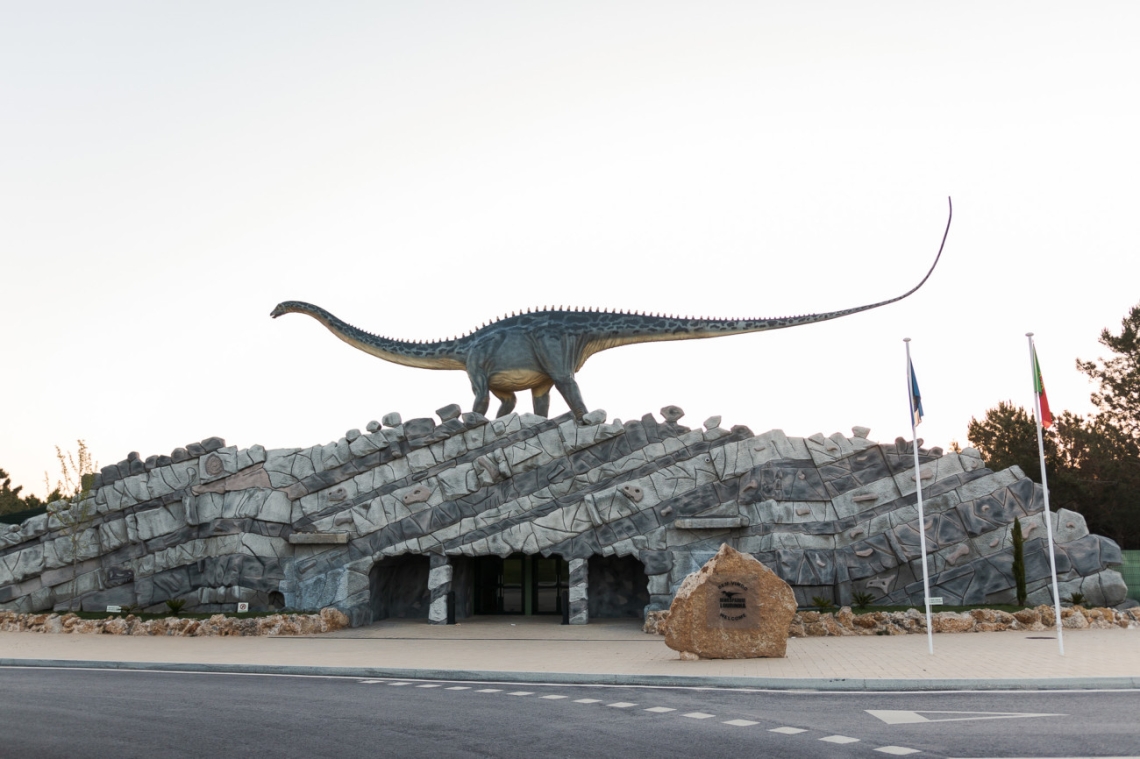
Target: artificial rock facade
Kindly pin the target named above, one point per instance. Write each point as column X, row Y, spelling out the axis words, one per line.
column 317, row 527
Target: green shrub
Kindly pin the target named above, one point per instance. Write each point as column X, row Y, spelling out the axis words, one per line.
column 862, row 599
column 175, row 605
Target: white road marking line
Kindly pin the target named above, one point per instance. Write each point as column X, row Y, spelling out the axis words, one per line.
column 897, row 750
column 787, row 730
column 429, row 685
column 902, row 717
column 660, row 709
column 459, row 687
column 698, row 715
column 521, row 693
column 621, row 704
column 399, row 683
column 555, row 698
column 370, row 682
column 839, row 739
column 740, row 722
column 587, row 700
column 490, row 690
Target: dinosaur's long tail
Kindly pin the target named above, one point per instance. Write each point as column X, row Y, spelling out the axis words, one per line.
column 444, row 354
column 644, row 328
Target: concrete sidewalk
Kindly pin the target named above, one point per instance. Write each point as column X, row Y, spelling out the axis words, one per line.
column 616, row 652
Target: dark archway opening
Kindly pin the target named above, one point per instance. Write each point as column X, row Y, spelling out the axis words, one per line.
column 618, row 587
column 399, row 587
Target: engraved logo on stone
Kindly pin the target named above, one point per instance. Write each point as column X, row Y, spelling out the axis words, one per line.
column 733, row 603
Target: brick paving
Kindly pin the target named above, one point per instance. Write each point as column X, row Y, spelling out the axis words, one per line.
column 614, row 647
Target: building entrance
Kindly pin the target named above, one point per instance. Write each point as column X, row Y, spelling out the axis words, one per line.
column 520, row 584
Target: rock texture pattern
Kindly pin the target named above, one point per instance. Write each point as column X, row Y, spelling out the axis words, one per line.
column 734, row 607
column 302, row 528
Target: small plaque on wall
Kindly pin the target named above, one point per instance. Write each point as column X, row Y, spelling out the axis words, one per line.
column 243, row 606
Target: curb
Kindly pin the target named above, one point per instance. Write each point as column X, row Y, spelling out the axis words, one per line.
column 851, row 684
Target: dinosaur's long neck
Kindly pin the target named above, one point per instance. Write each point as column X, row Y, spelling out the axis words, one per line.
column 444, row 354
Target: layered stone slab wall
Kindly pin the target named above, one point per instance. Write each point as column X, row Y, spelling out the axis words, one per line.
column 303, row 528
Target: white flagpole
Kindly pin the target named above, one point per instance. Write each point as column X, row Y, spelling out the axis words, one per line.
column 1045, row 492
column 918, row 490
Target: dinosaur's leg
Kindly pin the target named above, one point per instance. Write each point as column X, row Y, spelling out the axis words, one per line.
column 508, row 401
column 541, row 403
column 479, row 386
column 568, row 388
column 541, row 398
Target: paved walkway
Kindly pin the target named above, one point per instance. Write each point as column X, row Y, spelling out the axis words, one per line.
column 537, row 649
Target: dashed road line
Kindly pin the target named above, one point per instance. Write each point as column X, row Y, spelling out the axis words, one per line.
column 839, row 739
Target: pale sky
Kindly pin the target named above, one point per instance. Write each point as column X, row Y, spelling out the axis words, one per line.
column 170, row 172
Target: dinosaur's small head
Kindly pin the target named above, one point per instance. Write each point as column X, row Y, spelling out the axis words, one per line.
column 287, row 307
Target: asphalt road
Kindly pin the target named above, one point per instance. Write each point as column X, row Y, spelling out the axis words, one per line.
column 94, row 714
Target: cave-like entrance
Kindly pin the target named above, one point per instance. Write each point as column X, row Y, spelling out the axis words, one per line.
column 399, row 587
column 520, row 584
column 618, row 587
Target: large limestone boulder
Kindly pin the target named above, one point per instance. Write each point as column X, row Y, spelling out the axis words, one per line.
column 734, row 607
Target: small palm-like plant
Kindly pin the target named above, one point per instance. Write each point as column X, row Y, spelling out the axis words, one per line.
column 822, row 603
column 862, row 599
column 175, row 605
column 1077, row 599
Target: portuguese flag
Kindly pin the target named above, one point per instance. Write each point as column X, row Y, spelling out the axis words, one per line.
column 1039, row 388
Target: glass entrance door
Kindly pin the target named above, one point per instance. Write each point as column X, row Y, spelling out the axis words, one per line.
column 512, row 585
column 520, row 584
column 549, row 582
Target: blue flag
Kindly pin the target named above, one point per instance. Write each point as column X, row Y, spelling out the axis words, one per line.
column 915, row 398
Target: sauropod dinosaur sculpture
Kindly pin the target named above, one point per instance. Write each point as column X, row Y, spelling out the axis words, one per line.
column 541, row 349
